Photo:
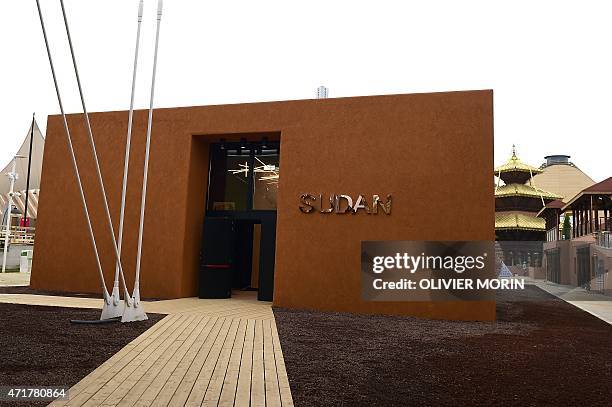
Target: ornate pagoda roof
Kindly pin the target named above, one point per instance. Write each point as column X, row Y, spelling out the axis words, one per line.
column 515, row 169
column 518, row 221
column 504, row 191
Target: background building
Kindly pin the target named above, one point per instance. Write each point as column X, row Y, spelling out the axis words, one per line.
column 38, row 147
column 517, row 202
column 584, row 256
column 20, row 234
column 562, row 177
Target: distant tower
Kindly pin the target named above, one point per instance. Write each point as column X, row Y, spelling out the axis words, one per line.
column 518, row 201
column 322, row 92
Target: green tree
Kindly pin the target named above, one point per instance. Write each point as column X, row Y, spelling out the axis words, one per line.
column 567, row 228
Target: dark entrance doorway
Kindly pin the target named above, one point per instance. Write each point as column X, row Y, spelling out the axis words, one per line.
column 583, row 264
column 239, row 232
column 553, row 265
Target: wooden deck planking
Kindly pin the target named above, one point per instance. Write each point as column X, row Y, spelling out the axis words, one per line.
column 230, row 381
column 83, row 390
column 215, row 385
column 115, row 358
column 126, row 370
column 187, row 384
column 258, row 391
column 204, row 353
column 144, row 374
column 243, row 390
column 147, row 389
column 271, row 379
column 139, row 367
column 283, row 380
column 169, row 387
column 202, row 382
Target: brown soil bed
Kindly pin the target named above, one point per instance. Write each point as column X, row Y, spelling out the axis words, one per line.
column 540, row 352
column 40, row 347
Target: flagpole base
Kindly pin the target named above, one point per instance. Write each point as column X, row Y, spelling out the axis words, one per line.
column 136, row 312
column 113, row 306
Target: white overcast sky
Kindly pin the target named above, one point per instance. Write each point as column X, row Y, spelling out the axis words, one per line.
column 548, row 62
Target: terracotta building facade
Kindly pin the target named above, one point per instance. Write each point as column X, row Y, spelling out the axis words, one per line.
column 227, row 182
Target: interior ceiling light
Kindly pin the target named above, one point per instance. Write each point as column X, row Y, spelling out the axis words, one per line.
column 244, row 168
column 270, row 172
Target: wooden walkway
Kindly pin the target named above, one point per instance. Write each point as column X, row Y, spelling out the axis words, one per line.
column 203, row 353
column 14, row 279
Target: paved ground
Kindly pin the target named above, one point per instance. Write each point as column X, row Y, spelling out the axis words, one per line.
column 596, row 304
column 14, row 279
column 53, row 301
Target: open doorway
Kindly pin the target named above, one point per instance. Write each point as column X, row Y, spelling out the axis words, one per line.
column 239, row 234
column 247, row 235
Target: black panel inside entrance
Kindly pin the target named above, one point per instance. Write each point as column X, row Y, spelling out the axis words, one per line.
column 217, row 258
column 238, row 244
column 243, row 247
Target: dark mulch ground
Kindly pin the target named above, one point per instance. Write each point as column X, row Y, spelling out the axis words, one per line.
column 540, row 352
column 40, row 347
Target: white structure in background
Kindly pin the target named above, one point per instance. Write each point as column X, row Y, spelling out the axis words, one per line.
column 9, row 210
column 38, row 148
column 322, row 92
column 13, row 179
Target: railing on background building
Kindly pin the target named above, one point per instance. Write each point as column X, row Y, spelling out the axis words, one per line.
column 593, row 227
column 18, row 235
column 604, row 239
column 554, row 234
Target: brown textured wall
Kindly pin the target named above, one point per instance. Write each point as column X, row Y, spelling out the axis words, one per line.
column 433, row 152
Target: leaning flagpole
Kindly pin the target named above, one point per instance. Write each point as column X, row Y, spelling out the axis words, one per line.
column 126, row 165
column 27, row 191
column 136, row 294
column 107, row 300
column 113, row 310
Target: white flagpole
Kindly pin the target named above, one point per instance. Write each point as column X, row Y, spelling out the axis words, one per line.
column 126, row 169
column 7, row 232
column 113, row 310
column 107, row 300
column 141, row 315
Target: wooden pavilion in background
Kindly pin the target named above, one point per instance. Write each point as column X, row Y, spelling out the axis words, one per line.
column 551, row 214
column 591, row 209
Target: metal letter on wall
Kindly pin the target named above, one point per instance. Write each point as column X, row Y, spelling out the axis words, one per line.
column 386, row 206
column 349, row 202
column 336, row 204
column 306, row 205
column 331, row 204
column 361, row 203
